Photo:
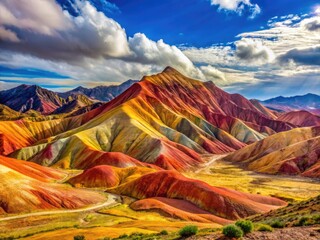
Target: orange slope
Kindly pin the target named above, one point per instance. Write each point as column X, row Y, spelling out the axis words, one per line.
column 177, row 208
column 295, row 152
column 32, row 170
column 172, row 194
column 221, row 202
column 104, row 176
column 25, row 187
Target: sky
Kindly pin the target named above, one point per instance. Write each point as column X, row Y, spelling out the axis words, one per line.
column 258, row 48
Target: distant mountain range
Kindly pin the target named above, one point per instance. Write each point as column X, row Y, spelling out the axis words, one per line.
column 310, row 102
column 100, row 93
column 32, row 97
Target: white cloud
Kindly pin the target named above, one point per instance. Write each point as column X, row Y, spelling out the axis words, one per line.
column 56, row 35
column 237, row 6
column 106, row 35
column 282, row 38
column 253, row 61
column 213, row 74
column 89, row 41
column 313, row 25
column 261, row 46
column 25, row 14
column 285, row 20
column 216, row 55
column 253, row 50
column 303, row 56
column 149, row 52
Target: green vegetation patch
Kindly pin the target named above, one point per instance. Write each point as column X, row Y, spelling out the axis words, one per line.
column 188, row 231
column 232, row 231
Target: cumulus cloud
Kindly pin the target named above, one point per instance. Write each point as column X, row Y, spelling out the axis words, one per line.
column 89, row 43
column 25, row 14
column 214, row 74
column 273, row 60
column 280, row 37
column 264, row 46
column 253, row 50
column 313, row 25
column 304, row 56
column 55, row 35
column 216, row 55
column 147, row 51
column 237, row 6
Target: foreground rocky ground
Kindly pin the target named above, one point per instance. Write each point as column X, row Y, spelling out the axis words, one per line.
column 295, row 233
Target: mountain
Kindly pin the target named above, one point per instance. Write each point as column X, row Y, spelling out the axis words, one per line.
column 309, row 102
column 74, row 103
column 78, row 110
column 27, row 186
column 166, row 119
column 26, row 132
column 27, row 97
column 301, row 118
column 100, row 93
column 31, row 97
column 294, row 152
column 139, row 143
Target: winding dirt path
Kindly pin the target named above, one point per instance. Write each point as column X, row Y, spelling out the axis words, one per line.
column 210, row 160
column 113, row 200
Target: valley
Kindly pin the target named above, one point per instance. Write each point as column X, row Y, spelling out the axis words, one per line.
column 111, row 219
column 169, row 151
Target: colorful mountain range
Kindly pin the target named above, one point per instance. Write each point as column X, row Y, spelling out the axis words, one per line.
column 141, row 143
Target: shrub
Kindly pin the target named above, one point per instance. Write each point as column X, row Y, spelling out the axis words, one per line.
column 245, row 225
column 277, row 224
column 188, row 231
column 232, row 231
column 79, row 237
column 123, row 236
column 305, row 221
column 164, row 232
column 264, row 228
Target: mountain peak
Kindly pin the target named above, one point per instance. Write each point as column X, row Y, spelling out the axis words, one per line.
column 171, row 76
column 169, row 69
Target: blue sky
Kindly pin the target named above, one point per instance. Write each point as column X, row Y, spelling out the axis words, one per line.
column 200, row 23
column 258, row 48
